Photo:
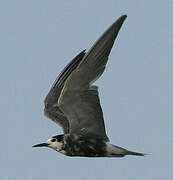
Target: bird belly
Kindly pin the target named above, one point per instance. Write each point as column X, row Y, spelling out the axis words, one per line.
column 85, row 147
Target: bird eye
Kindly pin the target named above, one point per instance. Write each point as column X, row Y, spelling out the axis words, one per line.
column 53, row 140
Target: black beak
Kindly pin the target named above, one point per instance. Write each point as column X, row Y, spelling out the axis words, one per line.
column 41, row 145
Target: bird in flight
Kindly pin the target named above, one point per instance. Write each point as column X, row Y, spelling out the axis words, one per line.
column 73, row 103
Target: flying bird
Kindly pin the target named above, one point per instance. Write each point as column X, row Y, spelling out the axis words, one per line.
column 73, row 103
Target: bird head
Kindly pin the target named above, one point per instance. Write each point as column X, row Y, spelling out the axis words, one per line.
column 55, row 142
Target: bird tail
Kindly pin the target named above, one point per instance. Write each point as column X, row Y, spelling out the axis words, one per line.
column 135, row 153
column 116, row 151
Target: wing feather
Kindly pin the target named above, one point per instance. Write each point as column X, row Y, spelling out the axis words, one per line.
column 78, row 102
column 51, row 110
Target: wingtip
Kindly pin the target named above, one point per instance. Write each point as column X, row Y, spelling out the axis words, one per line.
column 118, row 23
column 123, row 17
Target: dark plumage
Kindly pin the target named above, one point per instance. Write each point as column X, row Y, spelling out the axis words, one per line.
column 73, row 103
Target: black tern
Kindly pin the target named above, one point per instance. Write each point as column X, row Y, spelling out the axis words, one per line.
column 73, row 103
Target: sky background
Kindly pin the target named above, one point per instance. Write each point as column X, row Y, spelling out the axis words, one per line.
column 38, row 38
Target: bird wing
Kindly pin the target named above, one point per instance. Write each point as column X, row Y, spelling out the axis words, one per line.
column 51, row 109
column 79, row 100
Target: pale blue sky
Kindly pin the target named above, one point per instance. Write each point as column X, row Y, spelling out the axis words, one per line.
column 38, row 38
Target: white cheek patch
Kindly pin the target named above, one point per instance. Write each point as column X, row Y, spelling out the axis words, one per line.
column 57, row 146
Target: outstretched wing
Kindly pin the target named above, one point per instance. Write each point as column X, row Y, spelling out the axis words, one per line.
column 79, row 100
column 51, row 109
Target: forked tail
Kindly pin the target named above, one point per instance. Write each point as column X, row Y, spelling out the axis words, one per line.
column 116, row 151
column 135, row 153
